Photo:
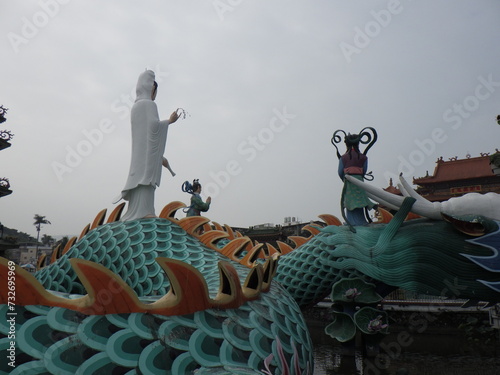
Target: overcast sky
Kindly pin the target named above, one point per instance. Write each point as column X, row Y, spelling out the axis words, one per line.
column 265, row 85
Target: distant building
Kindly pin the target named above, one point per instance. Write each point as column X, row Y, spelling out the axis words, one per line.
column 457, row 177
column 392, row 189
column 272, row 233
column 27, row 253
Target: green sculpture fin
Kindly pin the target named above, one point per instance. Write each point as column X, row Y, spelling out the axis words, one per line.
column 394, row 225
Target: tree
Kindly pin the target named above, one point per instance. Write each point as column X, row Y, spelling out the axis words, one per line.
column 39, row 220
column 62, row 242
column 47, row 240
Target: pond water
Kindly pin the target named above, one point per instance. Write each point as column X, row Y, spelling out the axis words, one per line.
column 405, row 353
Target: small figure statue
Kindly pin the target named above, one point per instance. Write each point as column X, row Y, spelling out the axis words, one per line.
column 354, row 202
column 149, row 136
column 197, row 205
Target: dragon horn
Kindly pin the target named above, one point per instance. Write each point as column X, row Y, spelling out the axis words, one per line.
column 421, row 207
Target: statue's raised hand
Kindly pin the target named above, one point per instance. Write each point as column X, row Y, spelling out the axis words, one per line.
column 179, row 112
column 173, row 117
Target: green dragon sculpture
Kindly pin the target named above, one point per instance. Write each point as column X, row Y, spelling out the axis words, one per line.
column 162, row 295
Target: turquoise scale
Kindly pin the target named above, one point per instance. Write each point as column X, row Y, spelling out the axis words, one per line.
column 61, row 341
column 415, row 256
column 129, row 249
column 235, row 341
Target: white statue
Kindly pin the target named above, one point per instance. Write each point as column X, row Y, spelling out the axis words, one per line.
column 149, row 136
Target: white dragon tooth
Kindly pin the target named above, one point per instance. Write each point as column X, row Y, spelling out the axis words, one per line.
column 487, row 205
column 408, row 189
column 382, row 202
column 403, row 191
column 422, row 206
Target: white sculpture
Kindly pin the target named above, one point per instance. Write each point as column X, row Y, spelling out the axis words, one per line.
column 149, row 136
column 487, row 205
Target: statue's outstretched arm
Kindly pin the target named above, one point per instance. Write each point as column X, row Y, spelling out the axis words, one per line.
column 166, row 164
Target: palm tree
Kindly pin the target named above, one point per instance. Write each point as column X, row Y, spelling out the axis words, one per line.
column 47, row 240
column 39, row 220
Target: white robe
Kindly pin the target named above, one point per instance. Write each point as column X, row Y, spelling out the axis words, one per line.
column 149, row 136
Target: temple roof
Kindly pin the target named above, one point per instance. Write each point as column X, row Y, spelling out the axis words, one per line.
column 392, row 189
column 458, row 169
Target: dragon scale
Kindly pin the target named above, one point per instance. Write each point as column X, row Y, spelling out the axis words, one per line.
column 162, row 295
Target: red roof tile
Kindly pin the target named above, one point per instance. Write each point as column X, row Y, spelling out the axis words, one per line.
column 392, row 189
column 461, row 169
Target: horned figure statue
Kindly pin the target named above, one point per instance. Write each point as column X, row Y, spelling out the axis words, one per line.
column 354, row 162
